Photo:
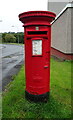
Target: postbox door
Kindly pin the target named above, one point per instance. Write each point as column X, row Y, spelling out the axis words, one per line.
column 38, row 62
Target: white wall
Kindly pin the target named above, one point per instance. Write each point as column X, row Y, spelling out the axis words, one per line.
column 62, row 32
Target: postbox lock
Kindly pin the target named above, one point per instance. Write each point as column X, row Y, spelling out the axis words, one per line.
column 45, row 66
column 37, row 28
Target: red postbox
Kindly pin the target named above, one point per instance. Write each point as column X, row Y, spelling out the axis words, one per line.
column 37, row 53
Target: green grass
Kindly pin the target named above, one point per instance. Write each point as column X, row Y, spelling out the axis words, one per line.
column 13, row 43
column 58, row 106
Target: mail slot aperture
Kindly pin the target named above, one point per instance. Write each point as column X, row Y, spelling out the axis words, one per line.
column 37, row 32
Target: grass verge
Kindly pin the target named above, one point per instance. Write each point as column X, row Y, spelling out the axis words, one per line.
column 58, row 106
column 13, row 43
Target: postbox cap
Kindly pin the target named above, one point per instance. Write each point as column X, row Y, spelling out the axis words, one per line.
column 25, row 15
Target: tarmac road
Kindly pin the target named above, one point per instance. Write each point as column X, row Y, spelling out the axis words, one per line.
column 12, row 58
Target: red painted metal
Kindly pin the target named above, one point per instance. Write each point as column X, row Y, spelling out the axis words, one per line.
column 37, row 67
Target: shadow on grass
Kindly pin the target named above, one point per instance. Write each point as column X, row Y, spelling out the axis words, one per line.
column 51, row 109
column 25, row 109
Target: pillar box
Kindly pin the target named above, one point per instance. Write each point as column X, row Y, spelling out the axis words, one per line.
column 37, row 27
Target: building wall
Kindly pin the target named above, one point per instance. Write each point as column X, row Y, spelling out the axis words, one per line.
column 62, row 32
column 56, row 7
column 72, row 30
column 68, row 47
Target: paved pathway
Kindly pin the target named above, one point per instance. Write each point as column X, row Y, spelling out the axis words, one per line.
column 11, row 58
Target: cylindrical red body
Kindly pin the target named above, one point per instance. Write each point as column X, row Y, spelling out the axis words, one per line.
column 37, row 52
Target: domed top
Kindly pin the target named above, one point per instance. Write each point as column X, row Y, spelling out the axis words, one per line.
column 37, row 13
column 33, row 15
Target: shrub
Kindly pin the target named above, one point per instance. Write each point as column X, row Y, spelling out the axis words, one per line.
column 10, row 38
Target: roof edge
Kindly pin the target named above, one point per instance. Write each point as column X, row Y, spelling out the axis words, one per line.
column 69, row 5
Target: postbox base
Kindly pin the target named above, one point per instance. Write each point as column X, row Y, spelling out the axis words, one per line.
column 37, row 98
